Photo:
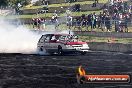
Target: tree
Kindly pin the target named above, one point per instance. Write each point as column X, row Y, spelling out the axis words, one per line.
column 14, row 3
column 22, row 2
column 3, row 2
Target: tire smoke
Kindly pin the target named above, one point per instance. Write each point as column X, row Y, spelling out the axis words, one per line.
column 17, row 39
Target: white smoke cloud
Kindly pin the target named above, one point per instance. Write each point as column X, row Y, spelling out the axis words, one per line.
column 17, row 39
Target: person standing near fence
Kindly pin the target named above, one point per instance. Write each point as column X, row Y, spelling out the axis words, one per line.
column 92, row 22
column 117, row 22
column 69, row 21
column 107, row 23
column 99, row 20
column 95, row 20
column 103, row 21
column 89, row 21
column 126, row 23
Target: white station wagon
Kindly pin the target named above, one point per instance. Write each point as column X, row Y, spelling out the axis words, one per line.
column 61, row 44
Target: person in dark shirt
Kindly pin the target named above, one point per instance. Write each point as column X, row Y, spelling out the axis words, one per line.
column 95, row 20
column 99, row 20
column 83, row 19
column 96, row 1
column 107, row 23
column 103, row 21
column 126, row 23
column 89, row 21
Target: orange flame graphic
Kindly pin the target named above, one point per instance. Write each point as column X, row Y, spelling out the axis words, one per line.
column 81, row 71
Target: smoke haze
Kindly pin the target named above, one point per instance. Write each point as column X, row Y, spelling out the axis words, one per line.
column 17, row 39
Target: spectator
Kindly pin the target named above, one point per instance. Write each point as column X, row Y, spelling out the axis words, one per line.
column 130, row 8
column 99, row 20
column 126, row 23
column 42, row 20
column 103, row 21
column 54, row 18
column 95, row 20
column 83, row 19
column 89, row 23
column 107, row 23
column 96, row 1
column 92, row 21
column 78, row 23
column 35, row 22
column 117, row 23
column 69, row 21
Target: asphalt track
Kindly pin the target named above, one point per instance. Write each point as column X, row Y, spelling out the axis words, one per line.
column 38, row 71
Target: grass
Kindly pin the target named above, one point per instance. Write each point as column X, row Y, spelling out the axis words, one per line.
column 86, row 12
column 29, row 16
column 51, row 14
column 81, row 3
column 31, row 7
column 55, row 5
column 62, row 4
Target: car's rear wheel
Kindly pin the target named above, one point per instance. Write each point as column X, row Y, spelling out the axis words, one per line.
column 60, row 51
column 83, row 53
column 41, row 49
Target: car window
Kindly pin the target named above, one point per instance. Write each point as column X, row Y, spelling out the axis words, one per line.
column 42, row 38
column 53, row 38
column 47, row 39
column 62, row 38
column 57, row 37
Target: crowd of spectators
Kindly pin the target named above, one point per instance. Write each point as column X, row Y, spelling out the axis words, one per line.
column 38, row 23
column 117, row 15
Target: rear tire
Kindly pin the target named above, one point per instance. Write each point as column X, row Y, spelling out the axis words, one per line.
column 41, row 49
column 83, row 53
column 60, row 51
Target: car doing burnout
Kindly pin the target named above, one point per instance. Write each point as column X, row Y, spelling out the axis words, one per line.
column 61, row 43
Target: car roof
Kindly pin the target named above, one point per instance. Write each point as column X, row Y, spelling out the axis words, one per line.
column 58, row 34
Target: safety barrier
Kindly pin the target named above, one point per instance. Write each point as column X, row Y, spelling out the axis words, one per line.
column 116, row 47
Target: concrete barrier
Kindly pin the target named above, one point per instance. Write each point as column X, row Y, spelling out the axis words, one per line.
column 116, row 47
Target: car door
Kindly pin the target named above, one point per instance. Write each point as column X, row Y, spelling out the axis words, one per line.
column 47, row 42
column 53, row 43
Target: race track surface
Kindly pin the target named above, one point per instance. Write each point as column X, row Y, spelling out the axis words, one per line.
column 35, row 71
